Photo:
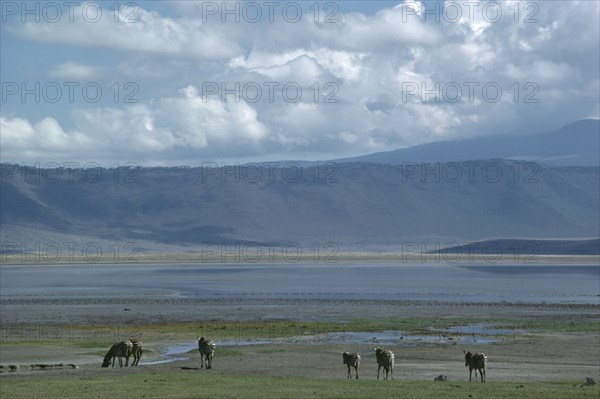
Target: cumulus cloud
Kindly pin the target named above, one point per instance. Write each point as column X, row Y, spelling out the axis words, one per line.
column 183, row 122
column 370, row 64
column 201, row 121
column 21, row 139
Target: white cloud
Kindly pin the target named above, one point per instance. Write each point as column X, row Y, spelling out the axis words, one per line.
column 368, row 57
column 148, row 32
column 200, row 122
column 74, row 71
column 130, row 130
column 543, row 71
column 387, row 28
column 184, row 122
column 309, row 63
column 44, row 140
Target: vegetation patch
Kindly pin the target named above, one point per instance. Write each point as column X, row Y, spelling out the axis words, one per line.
column 190, row 384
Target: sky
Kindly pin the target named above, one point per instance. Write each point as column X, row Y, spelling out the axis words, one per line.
column 189, row 82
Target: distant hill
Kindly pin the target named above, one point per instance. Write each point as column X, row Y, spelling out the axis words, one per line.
column 525, row 247
column 356, row 206
column 577, row 144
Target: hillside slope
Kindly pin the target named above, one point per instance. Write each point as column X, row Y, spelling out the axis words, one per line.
column 356, row 206
column 575, row 144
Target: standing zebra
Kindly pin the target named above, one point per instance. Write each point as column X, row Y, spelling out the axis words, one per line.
column 351, row 360
column 120, row 350
column 477, row 362
column 385, row 359
column 136, row 351
column 206, row 349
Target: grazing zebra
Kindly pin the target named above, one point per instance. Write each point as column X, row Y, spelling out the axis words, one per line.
column 206, row 349
column 136, row 352
column 351, row 360
column 477, row 362
column 385, row 359
column 120, row 350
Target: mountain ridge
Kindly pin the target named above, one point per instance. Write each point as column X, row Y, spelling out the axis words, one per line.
column 357, row 206
column 575, row 144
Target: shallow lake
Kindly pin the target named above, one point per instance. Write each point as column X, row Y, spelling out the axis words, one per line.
column 514, row 283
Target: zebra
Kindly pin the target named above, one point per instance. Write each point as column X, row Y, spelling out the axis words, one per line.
column 136, row 351
column 120, row 350
column 206, row 349
column 385, row 359
column 477, row 362
column 351, row 360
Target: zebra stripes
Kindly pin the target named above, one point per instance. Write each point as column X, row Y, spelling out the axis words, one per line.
column 124, row 349
column 477, row 362
column 207, row 350
column 351, row 360
column 121, row 350
column 136, row 352
column 385, row 359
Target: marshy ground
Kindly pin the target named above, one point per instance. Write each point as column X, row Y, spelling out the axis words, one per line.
column 290, row 346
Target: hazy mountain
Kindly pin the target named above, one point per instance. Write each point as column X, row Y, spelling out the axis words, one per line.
column 525, row 248
column 575, row 144
column 356, row 206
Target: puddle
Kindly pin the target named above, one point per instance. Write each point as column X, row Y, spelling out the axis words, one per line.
column 483, row 333
column 376, row 338
column 475, row 334
column 172, row 354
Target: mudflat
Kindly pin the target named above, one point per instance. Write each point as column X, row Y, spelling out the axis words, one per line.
column 281, row 331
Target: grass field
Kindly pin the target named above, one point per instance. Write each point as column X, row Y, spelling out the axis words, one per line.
column 201, row 384
column 555, row 349
column 282, row 329
column 261, row 371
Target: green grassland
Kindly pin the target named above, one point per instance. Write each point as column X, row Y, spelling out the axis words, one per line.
column 282, row 329
column 410, row 325
column 170, row 382
column 203, row 384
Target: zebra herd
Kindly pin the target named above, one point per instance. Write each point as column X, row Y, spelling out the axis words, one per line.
column 124, row 349
column 385, row 358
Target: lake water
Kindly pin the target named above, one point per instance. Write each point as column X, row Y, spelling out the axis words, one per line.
column 514, row 283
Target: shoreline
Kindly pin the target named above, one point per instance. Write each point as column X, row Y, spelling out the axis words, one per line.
column 398, row 259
